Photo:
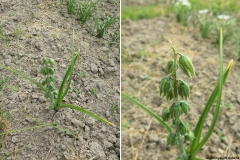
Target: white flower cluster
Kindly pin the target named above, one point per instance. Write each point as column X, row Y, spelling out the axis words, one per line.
column 224, row 17
column 203, row 11
column 183, row 2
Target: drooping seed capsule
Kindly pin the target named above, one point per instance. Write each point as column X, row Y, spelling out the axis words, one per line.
column 187, row 66
column 170, row 94
column 185, row 106
column 51, row 78
column 183, row 128
column 183, row 89
column 170, row 66
column 175, row 110
column 51, row 71
column 51, row 62
column 165, row 114
column 189, row 136
column 45, row 60
column 43, row 70
column 165, row 85
column 172, row 139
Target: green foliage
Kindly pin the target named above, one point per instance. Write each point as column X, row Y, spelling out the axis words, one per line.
column 141, row 12
column 180, row 129
column 102, row 27
column 56, row 96
column 85, row 10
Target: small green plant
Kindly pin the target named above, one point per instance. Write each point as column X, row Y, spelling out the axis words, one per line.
column 205, row 21
column 93, row 90
column 54, row 35
column 83, row 74
column 85, row 10
column 70, row 6
column 182, row 10
column 14, row 89
column 228, row 24
column 226, row 105
column 115, row 38
column 125, row 125
column 173, row 88
column 56, row 96
column 221, row 136
column 102, row 27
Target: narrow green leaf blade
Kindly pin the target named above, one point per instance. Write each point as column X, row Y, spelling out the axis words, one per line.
column 196, row 146
column 138, row 104
column 87, row 112
column 24, row 76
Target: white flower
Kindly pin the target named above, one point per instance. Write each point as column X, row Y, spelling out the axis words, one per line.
column 202, row 11
column 184, row 2
column 225, row 17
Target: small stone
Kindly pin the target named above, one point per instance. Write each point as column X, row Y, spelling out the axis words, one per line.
column 90, row 121
column 212, row 150
column 111, row 63
column 14, row 139
column 110, row 69
column 63, row 147
column 7, row 62
column 75, row 122
column 97, row 149
column 151, row 145
column 94, row 68
column 153, row 138
column 34, row 96
column 198, row 94
column 220, row 150
column 104, row 129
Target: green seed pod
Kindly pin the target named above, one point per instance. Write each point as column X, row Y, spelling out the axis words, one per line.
column 185, row 106
column 51, row 62
column 183, row 128
column 175, row 110
column 43, row 82
column 165, row 114
column 52, row 88
column 43, row 70
column 51, row 71
column 165, row 85
column 45, row 60
column 189, row 136
column 51, row 78
column 55, row 92
column 172, row 139
column 187, row 66
column 161, row 85
column 170, row 94
column 170, row 66
column 183, row 89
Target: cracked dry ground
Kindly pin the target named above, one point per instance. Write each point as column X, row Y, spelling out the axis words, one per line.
column 145, row 53
column 46, row 30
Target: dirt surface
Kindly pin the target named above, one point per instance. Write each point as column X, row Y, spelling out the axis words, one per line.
column 37, row 28
column 145, row 53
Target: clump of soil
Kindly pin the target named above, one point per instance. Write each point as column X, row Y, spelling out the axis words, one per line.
column 32, row 30
column 145, row 53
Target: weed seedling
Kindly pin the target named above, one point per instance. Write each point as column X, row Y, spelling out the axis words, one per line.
column 55, row 95
column 70, row 6
column 102, row 27
column 93, row 90
column 115, row 38
column 85, row 9
column 178, row 90
column 182, row 10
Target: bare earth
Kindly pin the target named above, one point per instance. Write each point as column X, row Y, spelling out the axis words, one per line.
column 46, row 30
column 143, row 138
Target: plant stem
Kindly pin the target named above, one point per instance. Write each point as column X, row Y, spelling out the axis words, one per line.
column 181, row 147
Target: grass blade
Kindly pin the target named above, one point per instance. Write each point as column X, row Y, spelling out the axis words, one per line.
column 196, row 146
column 24, row 76
column 159, row 119
column 87, row 112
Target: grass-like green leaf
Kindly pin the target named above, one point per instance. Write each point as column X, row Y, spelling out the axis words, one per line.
column 24, row 76
column 87, row 112
column 151, row 113
column 196, row 146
